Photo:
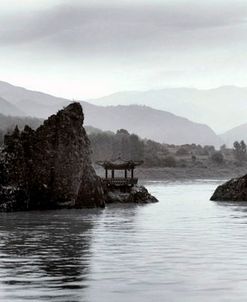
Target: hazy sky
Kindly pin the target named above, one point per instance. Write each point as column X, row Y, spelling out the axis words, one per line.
column 81, row 49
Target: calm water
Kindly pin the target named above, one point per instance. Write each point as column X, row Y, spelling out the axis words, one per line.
column 185, row 248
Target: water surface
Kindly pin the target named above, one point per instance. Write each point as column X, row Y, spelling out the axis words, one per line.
column 185, row 248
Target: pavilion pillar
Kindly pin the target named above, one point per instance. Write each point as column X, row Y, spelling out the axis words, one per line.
column 106, row 173
column 132, row 173
column 112, row 173
column 125, row 173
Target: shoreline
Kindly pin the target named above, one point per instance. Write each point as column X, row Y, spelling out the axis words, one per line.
column 175, row 174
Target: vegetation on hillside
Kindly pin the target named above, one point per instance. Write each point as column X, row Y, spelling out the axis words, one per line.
column 8, row 124
column 109, row 145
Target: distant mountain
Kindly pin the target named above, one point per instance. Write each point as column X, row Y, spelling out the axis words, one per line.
column 145, row 121
column 150, row 123
column 15, row 95
column 222, row 108
column 236, row 134
column 8, row 123
column 93, row 130
column 9, row 109
column 33, row 103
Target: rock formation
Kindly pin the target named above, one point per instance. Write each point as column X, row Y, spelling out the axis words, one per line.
column 233, row 190
column 49, row 168
column 136, row 194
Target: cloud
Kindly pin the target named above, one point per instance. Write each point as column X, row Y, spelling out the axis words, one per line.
column 112, row 28
column 76, row 47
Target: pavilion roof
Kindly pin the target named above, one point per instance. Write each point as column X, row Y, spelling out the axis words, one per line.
column 120, row 164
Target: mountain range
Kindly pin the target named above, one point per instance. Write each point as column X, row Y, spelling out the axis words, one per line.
column 9, row 109
column 236, row 134
column 222, row 108
column 152, row 123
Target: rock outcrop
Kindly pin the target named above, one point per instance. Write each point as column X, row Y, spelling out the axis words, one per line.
column 233, row 190
column 136, row 194
column 50, row 168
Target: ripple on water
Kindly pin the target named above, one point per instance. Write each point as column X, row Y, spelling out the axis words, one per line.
column 185, row 248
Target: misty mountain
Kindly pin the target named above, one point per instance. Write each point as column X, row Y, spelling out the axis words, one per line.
column 9, row 122
column 32, row 103
column 236, row 134
column 222, row 108
column 9, row 109
column 145, row 121
column 15, row 95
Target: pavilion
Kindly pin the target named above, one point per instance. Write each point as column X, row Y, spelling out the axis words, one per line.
column 128, row 167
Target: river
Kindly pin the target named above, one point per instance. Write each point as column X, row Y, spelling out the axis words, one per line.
column 184, row 248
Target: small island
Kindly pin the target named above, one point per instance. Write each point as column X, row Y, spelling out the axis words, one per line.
column 51, row 168
column 233, row 190
column 123, row 189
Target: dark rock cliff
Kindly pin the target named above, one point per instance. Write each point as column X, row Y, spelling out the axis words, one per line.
column 50, row 168
column 233, row 190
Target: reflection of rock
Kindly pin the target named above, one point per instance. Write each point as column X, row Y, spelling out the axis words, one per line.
column 50, row 168
column 136, row 194
column 233, row 190
column 48, row 252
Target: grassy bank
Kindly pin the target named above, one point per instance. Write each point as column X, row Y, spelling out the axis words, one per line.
column 189, row 173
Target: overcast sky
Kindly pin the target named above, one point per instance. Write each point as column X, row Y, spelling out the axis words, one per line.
column 81, row 49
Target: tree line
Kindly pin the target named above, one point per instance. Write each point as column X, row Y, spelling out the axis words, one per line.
column 110, row 145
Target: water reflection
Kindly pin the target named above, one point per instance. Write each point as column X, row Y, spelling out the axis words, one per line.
column 45, row 253
column 185, row 248
column 234, row 204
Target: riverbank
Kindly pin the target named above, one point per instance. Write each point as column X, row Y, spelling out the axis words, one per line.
column 222, row 172
column 187, row 173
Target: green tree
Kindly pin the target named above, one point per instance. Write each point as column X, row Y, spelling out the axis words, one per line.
column 240, row 150
column 169, row 161
column 217, row 157
column 136, row 147
column 182, row 151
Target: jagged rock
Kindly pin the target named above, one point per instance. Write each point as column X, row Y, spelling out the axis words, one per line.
column 137, row 194
column 50, row 168
column 233, row 190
